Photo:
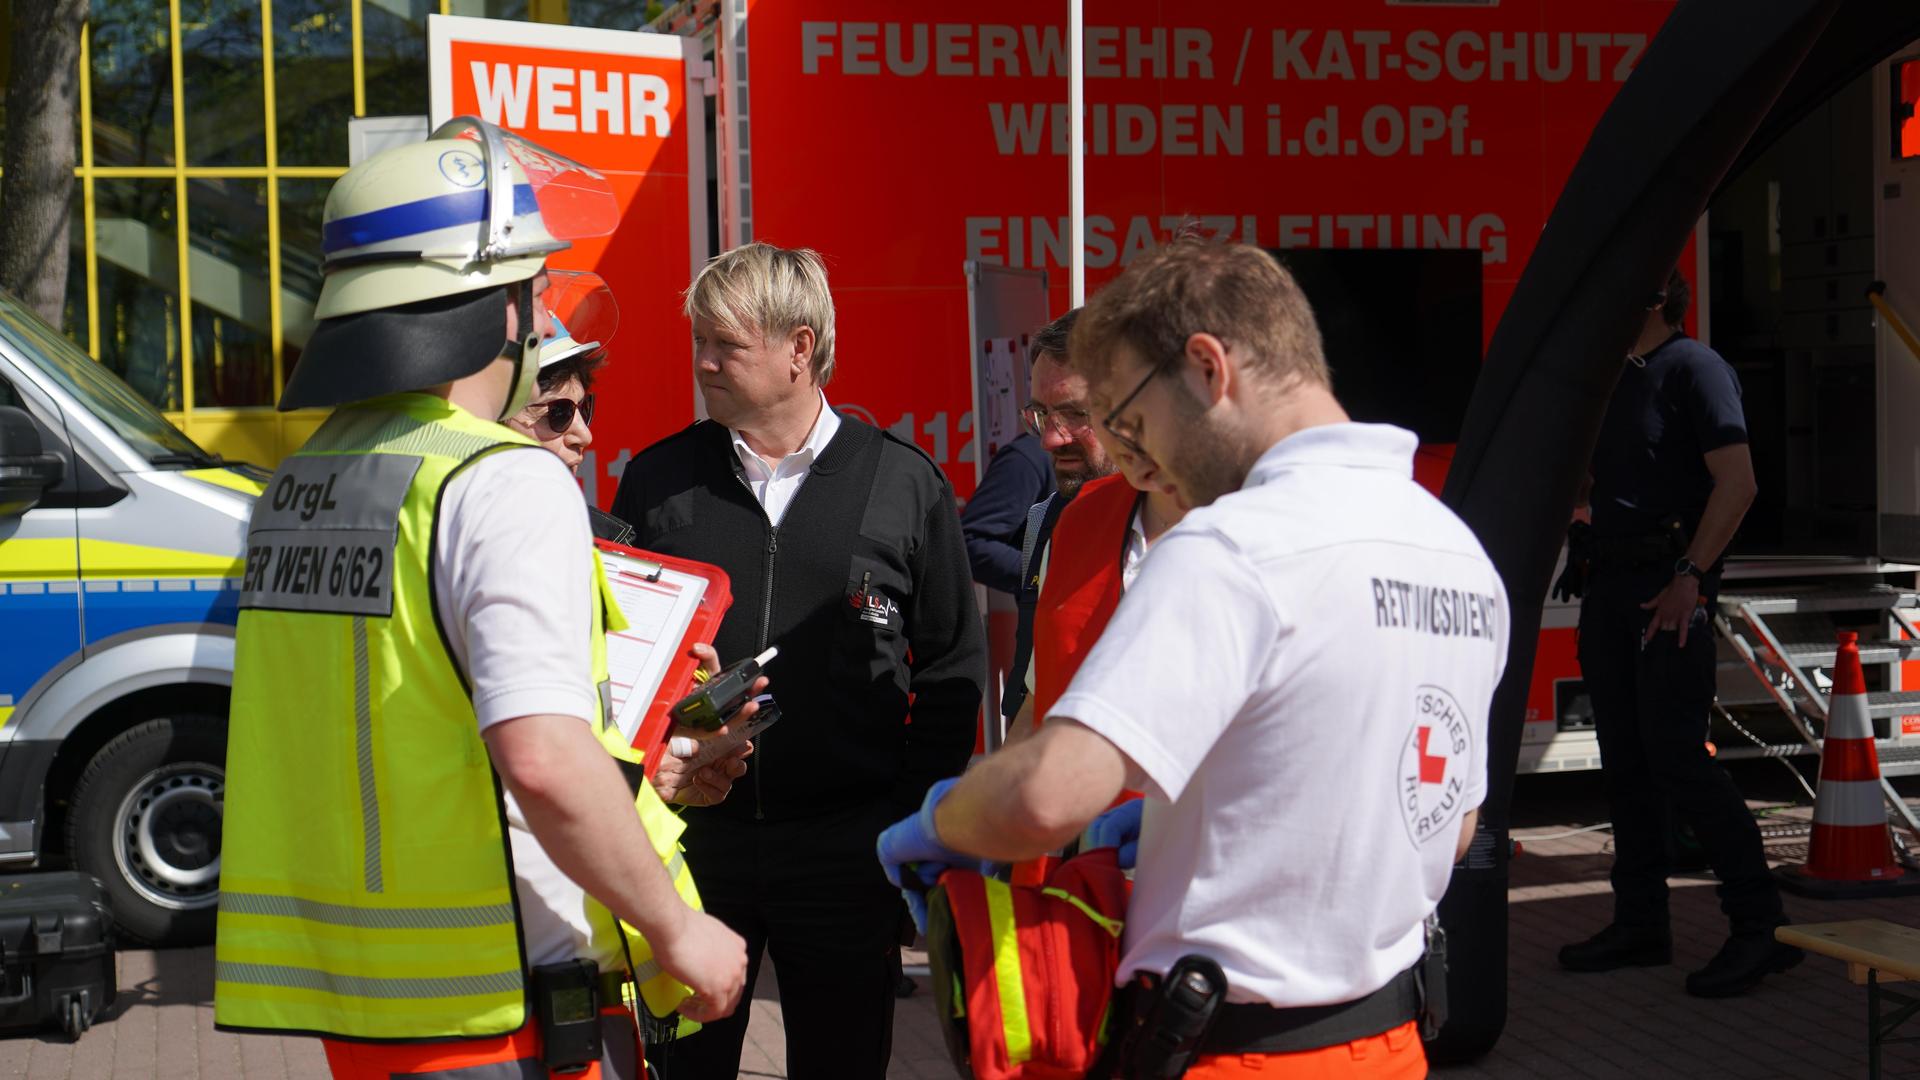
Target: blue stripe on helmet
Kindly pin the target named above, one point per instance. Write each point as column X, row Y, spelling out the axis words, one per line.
column 414, row 218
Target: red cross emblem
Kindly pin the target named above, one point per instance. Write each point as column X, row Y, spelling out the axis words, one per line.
column 1433, row 769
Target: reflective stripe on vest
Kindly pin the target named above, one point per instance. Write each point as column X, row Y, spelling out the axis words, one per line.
column 1083, row 585
column 367, row 889
column 661, row 992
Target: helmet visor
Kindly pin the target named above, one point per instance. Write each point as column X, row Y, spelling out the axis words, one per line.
column 581, row 302
column 575, row 202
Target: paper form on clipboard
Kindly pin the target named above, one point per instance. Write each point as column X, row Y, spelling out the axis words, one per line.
column 670, row 605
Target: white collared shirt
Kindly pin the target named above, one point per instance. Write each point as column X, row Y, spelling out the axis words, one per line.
column 775, row 485
column 1300, row 676
column 1136, row 548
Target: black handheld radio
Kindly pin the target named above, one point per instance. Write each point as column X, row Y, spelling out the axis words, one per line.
column 708, row 707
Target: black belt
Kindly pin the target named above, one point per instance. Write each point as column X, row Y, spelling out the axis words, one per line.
column 1264, row 1029
column 1652, row 547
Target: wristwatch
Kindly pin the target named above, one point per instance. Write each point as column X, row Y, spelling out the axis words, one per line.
column 1685, row 566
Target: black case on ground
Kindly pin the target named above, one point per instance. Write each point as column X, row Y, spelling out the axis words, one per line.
column 56, row 952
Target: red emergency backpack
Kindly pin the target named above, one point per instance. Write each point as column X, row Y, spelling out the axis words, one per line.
column 1023, row 974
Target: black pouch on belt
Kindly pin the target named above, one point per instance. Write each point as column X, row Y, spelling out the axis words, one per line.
column 1164, row 1021
column 566, row 1010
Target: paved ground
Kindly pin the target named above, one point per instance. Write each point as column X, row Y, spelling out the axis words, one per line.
column 1808, row 1023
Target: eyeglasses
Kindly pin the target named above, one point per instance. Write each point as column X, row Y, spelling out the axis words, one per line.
column 560, row 412
column 1039, row 419
column 1127, row 433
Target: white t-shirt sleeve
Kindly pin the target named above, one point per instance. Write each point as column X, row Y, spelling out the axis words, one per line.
column 1184, row 653
column 513, row 579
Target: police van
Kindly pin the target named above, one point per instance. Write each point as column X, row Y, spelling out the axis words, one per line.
column 121, row 548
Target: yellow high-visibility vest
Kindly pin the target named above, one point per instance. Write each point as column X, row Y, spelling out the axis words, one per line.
column 366, row 887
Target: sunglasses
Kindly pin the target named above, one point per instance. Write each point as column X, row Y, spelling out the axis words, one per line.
column 559, row 413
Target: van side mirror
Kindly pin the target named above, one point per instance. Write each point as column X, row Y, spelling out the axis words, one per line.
column 26, row 472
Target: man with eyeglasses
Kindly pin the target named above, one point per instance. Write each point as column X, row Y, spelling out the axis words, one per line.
column 1089, row 554
column 1057, row 415
column 1299, row 680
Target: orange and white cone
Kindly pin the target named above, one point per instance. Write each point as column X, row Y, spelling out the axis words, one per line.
column 1852, row 850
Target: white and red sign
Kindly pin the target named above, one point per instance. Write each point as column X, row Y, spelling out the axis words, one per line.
column 633, row 107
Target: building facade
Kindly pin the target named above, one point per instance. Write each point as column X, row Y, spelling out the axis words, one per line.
column 209, row 132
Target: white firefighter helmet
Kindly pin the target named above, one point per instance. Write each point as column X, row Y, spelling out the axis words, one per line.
column 562, row 346
column 421, row 244
column 582, row 311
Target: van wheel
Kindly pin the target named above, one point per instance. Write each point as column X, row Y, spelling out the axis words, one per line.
column 145, row 820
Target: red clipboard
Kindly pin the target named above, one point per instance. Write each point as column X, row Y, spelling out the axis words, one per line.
column 652, row 572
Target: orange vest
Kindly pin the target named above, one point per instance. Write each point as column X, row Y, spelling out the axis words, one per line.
column 1082, row 587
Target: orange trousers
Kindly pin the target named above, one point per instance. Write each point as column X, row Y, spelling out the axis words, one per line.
column 504, row 1057
column 1390, row 1055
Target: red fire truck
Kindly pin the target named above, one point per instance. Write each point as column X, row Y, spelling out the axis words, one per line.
column 1401, row 156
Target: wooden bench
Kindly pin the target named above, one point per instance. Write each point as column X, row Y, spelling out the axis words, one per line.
column 1876, row 951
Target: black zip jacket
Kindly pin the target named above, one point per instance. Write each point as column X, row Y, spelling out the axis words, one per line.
column 865, row 588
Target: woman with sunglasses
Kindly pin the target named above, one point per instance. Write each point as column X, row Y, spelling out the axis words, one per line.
column 562, row 406
column 561, row 410
column 558, row 418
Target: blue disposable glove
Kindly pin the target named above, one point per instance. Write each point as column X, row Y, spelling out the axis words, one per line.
column 1117, row 828
column 911, row 853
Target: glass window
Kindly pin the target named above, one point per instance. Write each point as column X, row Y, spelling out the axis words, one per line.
column 74, row 317
column 104, row 396
column 224, row 82
column 134, row 229
column 313, row 80
column 489, row 9
column 393, row 48
column 132, row 83
column 300, row 205
column 613, row 14
column 228, row 284
column 1905, row 80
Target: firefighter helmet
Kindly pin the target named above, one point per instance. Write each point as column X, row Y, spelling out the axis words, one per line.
column 422, row 244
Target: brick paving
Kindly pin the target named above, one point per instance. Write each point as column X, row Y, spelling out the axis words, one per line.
column 1639, row 1023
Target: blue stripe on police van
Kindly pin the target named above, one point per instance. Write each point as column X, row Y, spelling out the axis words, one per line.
column 170, row 600
column 414, row 218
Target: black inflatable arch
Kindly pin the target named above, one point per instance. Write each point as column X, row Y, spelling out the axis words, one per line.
column 1721, row 80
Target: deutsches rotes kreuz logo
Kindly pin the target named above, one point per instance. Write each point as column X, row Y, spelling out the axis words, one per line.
column 1433, row 766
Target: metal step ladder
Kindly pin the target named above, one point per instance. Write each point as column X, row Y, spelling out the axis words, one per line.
column 1786, row 638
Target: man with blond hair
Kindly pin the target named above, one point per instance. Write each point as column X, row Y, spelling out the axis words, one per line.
column 1298, row 678
column 844, row 550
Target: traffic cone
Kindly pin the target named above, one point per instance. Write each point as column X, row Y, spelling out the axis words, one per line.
column 1851, row 854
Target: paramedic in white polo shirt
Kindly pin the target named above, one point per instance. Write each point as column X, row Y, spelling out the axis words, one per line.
column 1299, row 679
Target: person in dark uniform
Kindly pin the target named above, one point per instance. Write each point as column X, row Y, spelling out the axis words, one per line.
column 1671, row 480
column 995, row 519
column 843, row 548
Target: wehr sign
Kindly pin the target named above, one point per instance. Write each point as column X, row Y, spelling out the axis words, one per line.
column 633, row 107
column 903, row 139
